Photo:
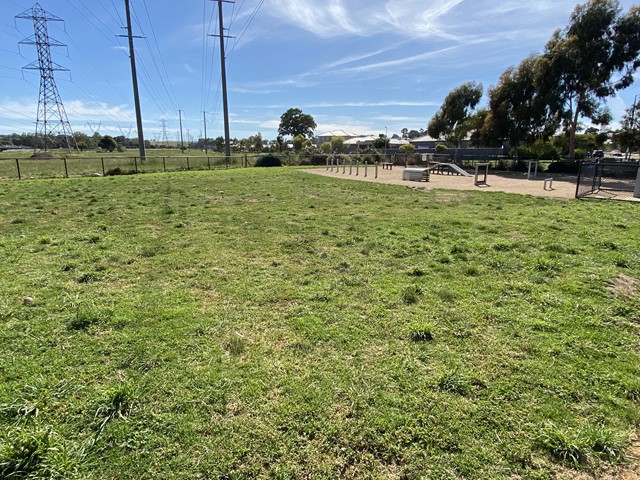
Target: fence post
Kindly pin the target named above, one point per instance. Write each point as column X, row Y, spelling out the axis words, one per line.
column 135, row 163
column 209, row 162
column 164, row 164
column 102, row 163
column 66, row 171
column 18, row 167
column 187, row 163
column 578, row 179
column 246, row 161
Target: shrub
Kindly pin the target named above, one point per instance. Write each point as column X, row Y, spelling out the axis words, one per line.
column 441, row 148
column 268, row 161
column 421, row 331
column 119, row 171
column 563, row 167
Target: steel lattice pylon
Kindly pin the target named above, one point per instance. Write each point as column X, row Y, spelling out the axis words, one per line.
column 52, row 121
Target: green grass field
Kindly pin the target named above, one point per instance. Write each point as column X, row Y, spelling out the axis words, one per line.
column 270, row 323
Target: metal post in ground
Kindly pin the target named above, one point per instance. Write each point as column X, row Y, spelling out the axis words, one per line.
column 327, row 162
column 357, row 167
column 102, row 163
column 344, row 166
column 209, row 162
column 135, row 163
column 366, row 165
column 66, row 171
column 18, row 168
column 376, row 170
column 350, row 166
column 164, row 164
column 187, row 164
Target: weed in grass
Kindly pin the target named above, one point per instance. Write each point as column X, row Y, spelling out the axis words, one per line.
column 545, row 264
column 417, row 272
column 235, row 344
column 23, row 452
column 446, row 295
column 120, row 402
column 148, row 252
column 454, row 381
column 632, row 390
column 88, row 316
column 421, row 331
column 410, row 294
column 621, row 262
column 87, row 278
column 20, row 412
column 471, row 271
column 577, row 445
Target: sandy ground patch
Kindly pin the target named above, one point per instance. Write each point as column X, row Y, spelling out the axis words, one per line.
column 564, row 186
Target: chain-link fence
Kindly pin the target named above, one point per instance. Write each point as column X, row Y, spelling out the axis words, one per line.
column 609, row 180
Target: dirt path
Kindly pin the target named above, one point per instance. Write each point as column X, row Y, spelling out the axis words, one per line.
column 564, row 186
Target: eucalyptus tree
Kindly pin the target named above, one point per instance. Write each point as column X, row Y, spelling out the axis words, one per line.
column 451, row 122
column 595, row 56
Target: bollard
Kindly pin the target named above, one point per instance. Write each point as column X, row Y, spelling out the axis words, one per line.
column 187, row 164
column 376, row 170
column 102, row 162
column 350, row 166
column 18, row 167
column 366, row 165
column 344, row 166
column 327, row 169
column 209, row 163
column 164, row 164
column 66, row 171
column 135, row 163
column 357, row 167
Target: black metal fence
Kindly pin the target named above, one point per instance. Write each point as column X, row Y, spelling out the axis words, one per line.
column 21, row 168
column 609, row 180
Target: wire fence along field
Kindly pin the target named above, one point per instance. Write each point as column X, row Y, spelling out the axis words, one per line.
column 22, row 168
column 609, row 181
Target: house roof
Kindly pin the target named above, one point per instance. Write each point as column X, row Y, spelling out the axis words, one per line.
column 424, row 138
column 357, row 140
column 336, row 133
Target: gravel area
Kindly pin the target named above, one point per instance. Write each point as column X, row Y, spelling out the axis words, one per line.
column 564, row 186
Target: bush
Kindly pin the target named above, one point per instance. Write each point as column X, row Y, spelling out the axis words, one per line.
column 441, row 148
column 119, row 171
column 268, row 161
column 563, row 167
column 317, row 159
column 525, row 153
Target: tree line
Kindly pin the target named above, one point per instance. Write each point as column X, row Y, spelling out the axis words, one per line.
column 582, row 65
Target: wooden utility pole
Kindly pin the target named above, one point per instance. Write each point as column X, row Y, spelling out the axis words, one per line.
column 206, row 146
column 181, row 139
column 223, row 70
column 134, row 76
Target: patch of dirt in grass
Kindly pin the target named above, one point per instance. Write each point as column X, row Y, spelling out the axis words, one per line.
column 624, row 285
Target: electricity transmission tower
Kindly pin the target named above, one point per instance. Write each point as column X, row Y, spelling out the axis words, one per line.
column 51, row 120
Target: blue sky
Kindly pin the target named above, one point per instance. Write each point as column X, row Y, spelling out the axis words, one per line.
column 364, row 66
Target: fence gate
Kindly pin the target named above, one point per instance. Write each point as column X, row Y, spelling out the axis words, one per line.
column 609, row 180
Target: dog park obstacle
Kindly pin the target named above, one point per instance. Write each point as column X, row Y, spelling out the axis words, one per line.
column 448, row 168
column 416, row 174
column 482, row 170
